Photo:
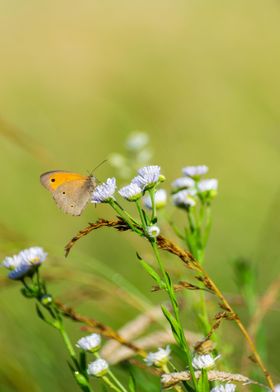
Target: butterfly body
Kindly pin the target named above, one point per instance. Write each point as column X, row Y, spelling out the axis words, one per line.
column 71, row 191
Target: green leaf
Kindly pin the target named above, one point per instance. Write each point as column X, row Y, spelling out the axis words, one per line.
column 142, row 381
column 173, row 324
column 171, row 291
column 153, row 274
column 83, row 361
column 71, row 367
column 132, row 384
column 40, row 313
column 146, row 218
column 203, row 384
column 188, row 387
column 27, row 293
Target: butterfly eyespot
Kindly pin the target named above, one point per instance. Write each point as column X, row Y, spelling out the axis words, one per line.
column 52, row 179
column 63, row 193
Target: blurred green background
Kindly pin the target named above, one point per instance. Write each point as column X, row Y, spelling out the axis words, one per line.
column 201, row 78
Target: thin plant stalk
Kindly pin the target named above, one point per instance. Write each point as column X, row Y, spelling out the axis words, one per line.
column 183, row 342
column 118, row 385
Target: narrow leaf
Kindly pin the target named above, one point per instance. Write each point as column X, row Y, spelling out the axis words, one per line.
column 203, row 384
column 152, row 273
column 83, row 361
column 40, row 313
column 132, row 384
column 173, row 324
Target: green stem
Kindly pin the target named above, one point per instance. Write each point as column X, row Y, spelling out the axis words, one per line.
column 198, row 250
column 122, row 388
column 127, row 214
column 208, row 225
column 111, row 385
column 26, row 286
column 176, row 230
column 114, row 378
column 154, row 210
column 124, row 216
column 183, row 342
column 143, row 221
column 68, row 343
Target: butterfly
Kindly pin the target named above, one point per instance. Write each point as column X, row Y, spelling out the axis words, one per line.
column 71, row 191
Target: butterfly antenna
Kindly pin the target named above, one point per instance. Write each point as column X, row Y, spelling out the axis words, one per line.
column 100, row 164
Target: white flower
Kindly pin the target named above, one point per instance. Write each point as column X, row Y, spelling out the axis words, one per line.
column 225, row 388
column 20, row 271
column 131, row 192
column 33, row 256
column 277, row 388
column 147, row 177
column 207, row 185
column 12, row 262
column 137, row 140
column 204, row 361
column 89, row 343
column 158, row 358
column 184, row 199
column 153, row 231
column 182, row 183
column 195, row 171
column 104, row 192
column 160, row 199
column 98, row 368
column 24, row 262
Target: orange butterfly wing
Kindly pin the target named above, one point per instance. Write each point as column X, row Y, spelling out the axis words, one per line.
column 71, row 191
column 53, row 179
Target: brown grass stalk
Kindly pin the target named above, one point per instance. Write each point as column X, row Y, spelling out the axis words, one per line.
column 95, row 325
column 133, row 329
column 190, row 262
column 170, row 379
column 153, row 340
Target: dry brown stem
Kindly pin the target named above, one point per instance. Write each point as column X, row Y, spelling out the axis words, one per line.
column 190, row 262
column 153, row 340
column 170, row 379
column 119, row 225
column 133, row 329
column 98, row 326
column 182, row 285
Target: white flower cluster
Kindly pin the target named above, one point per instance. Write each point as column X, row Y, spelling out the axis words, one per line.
column 92, row 344
column 186, row 190
column 24, row 262
column 147, row 178
column 158, row 358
